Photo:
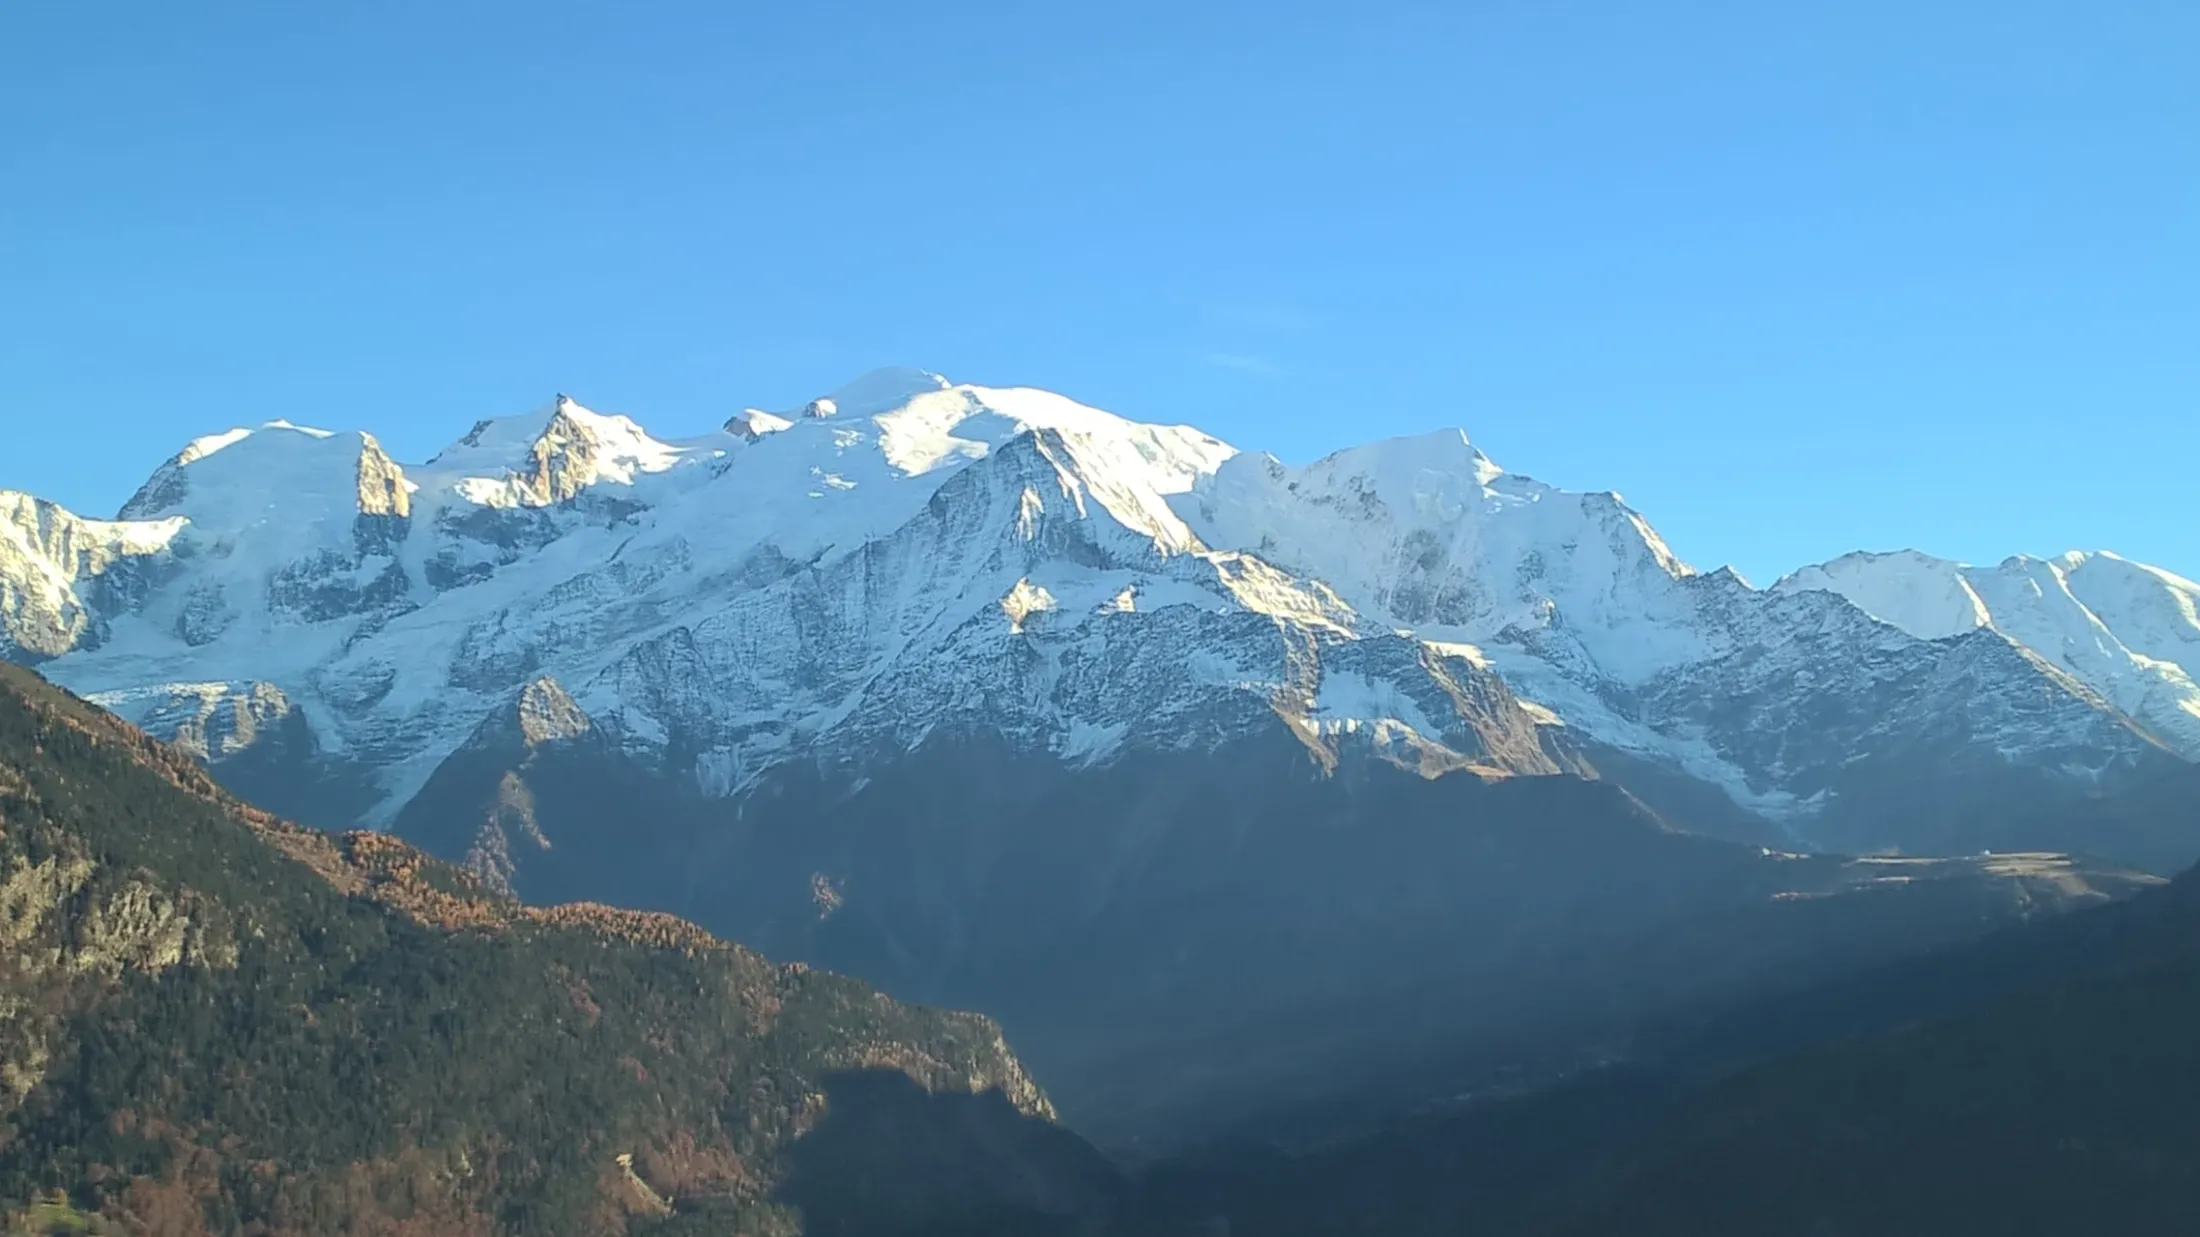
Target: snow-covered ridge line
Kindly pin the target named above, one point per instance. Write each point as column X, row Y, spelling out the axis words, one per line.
column 2125, row 629
column 377, row 595
column 907, row 552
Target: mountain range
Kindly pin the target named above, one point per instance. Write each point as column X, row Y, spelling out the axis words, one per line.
column 1176, row 758
column 908, row 554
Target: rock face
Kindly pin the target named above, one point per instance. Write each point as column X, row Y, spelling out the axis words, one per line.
column 212, row 1021
column 62, row 578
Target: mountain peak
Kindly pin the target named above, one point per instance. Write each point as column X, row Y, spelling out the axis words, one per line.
column 2129, row 631
column 1389, row 463
column 547, row 714
column 754, row 423
column 881, row 390
column 271, row 446
column 549, row 455
column 1930, row 598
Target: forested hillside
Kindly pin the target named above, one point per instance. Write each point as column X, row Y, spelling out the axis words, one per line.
column 215, row 1022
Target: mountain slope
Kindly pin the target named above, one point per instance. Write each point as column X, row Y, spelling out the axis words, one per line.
column 2128, row 631
column 62, row 576
column 1800, row 708
column 2037, row 1080
column 2055, row 1093
column 1178, row 938
column 212, row 1021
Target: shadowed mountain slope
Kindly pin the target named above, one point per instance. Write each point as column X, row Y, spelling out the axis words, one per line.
column 1179, row 940
column 2039, row 1080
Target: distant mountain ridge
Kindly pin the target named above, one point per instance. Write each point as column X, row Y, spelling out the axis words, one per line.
column 2128, row 631
column 909, row 553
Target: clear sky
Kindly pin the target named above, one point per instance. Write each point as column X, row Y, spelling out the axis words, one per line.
column 1794, row 277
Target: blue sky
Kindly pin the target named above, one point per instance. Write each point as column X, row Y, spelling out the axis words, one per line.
column 1795, row 278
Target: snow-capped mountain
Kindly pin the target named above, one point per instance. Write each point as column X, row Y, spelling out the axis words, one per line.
column 2128, row 631
column 908, row 554
column 1176, row 758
